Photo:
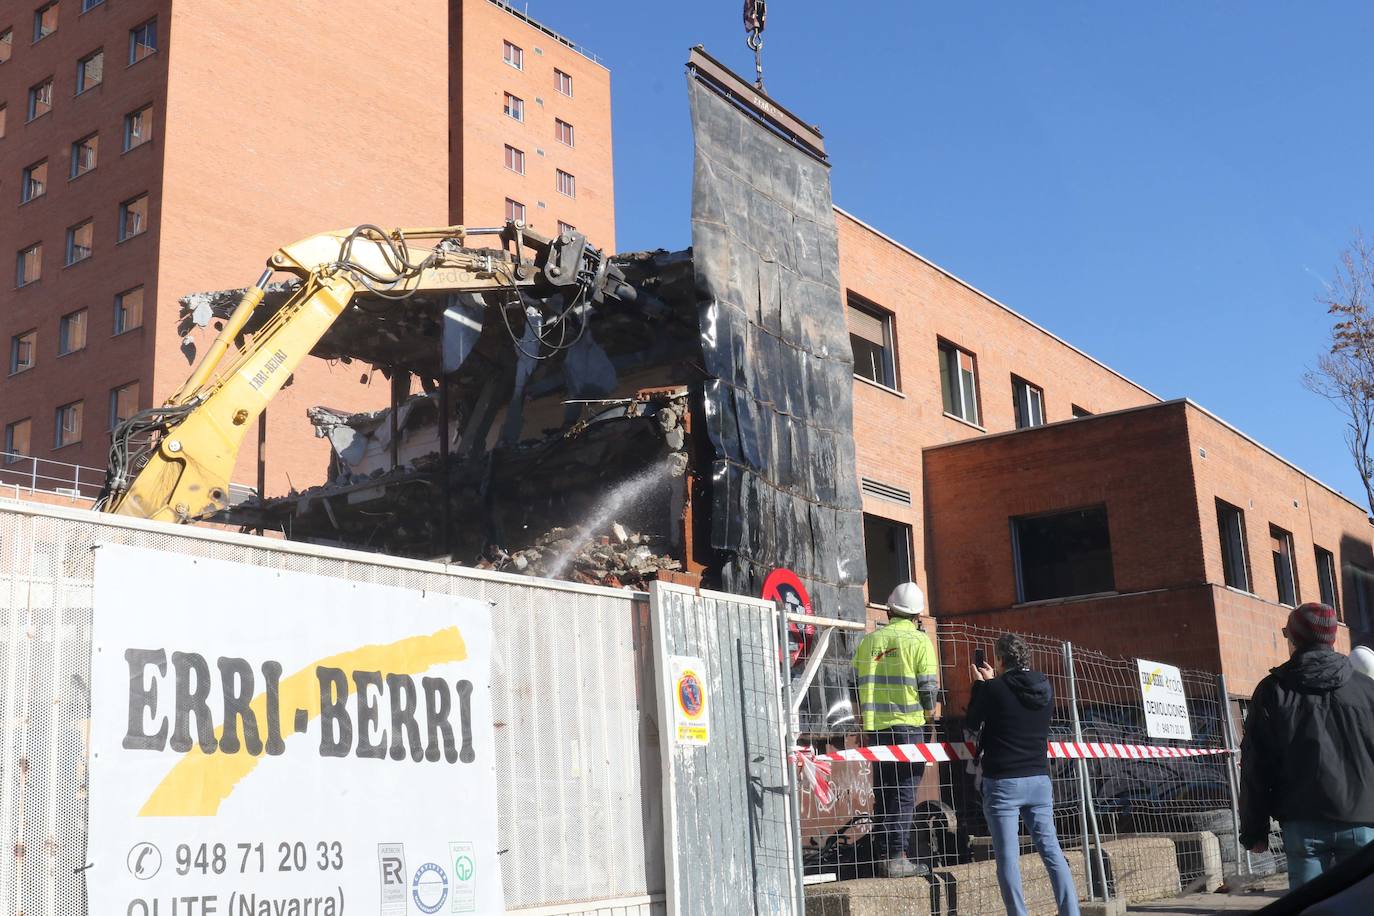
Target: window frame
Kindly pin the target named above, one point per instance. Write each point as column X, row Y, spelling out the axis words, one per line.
column 559, row 78
column 55, row 6
column 27, row 182
column 908, row 533
column 123, row 234
column 1328, row 580
column 565, row 228
column 1079, row 412
column 515, row 159
column 115, row 419
column 948, row 350
column 512, row 207
column 558, row 125
column 128, row 128
column 516, row 60
column 1021, row 412
column 87, row 223
column 18, row 340
column 77, row 146
column 78, row 411
column 855, row 303
column 88, row 5
column 64, row 331
column 33, row 113
column 1285, row 553
column 13, row 455
column 4, row 119
column 82, row 86
column 565, row 183
column 514, row 107
column 7, row 42
column 20, row 277
column 1018, row 566
column 120, row 309
column 148, row 26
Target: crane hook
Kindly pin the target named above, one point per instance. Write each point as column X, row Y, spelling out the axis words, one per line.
column 755, row 17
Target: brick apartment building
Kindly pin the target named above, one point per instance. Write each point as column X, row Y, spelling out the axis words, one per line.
column 1028, row 486
column 154, row 148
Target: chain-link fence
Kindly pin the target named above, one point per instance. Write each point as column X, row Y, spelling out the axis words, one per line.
column 1136, row 817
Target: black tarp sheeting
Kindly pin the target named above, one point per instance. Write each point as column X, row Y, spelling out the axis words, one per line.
column 778, row 398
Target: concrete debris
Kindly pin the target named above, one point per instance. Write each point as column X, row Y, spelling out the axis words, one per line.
column 617, row 560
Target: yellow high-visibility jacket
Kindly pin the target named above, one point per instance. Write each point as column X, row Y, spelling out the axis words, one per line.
column 897, row 674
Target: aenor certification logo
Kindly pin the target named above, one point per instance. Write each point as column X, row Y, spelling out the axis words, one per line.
column 430, row 888
column 464, row 890
column 391, row 863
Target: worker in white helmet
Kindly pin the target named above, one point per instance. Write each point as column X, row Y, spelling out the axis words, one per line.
column 1362, row 660
column 896, row 670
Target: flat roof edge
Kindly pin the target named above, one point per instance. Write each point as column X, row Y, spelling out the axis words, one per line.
column 1002, row 305
column 529, row 20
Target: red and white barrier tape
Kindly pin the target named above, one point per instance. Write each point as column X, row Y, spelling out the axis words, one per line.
column 946, row 751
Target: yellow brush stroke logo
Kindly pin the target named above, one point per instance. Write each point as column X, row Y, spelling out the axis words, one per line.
column 200, row 782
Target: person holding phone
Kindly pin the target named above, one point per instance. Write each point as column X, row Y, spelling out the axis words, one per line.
column 1013, row 712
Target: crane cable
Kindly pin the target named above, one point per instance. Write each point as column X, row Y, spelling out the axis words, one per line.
column 755, row 17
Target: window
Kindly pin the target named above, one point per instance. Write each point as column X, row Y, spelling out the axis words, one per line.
column 23, row 351
column 79, row 240
column 29, row 268
column 90, row 71
column 887, row 550
column 71, row 333
column 44, row 21
column 68, row 426
column 1281, row 545
column 1081, row 412
column 562, row 82
column 1360, row 581
column 515, row 211
column 33, row 182
column 1326, row 579
column 513, row 55
column 138, row 127
column 6, row 45
column 1063, row 555
column 3, row 109
column 870, row 337
column 40, row 99
column 565, row 228
column 515, row 107
column 84, row 155
column 123, row 403
column 563, row 131
column 1235, row 556
column 958, row 382
column 1028, row 403
column 17, row 443
column 88, row 5
column 567, row 184
column 133, row 217
column 515, row 159
column 142, row 41
column 128, row 310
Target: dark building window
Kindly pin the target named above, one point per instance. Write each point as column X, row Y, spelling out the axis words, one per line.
column 142, row 41
column 1081, row 412
column 1326, row 579
column 959, row 382
column 1235, row 562
column 870, row 337
column 90, row 71
column 1063, row 555
column 17, row 444
column 128, row 310
column 1285, row 577
column 1028, row 402
column 887, row 548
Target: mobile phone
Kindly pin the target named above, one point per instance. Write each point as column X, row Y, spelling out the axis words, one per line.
column 980, row 658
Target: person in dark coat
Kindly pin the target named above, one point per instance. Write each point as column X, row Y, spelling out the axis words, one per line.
column 1307, row 759
column 1013, row 713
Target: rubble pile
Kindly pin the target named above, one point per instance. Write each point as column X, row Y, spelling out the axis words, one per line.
column 619, row 559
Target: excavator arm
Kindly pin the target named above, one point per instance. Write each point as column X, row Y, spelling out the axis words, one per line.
column 174, row 462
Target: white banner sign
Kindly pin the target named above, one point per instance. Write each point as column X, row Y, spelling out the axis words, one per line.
column 1166, row 708
column 269, row 742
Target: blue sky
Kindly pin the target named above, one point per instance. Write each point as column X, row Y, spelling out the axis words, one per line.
column 1165, row 185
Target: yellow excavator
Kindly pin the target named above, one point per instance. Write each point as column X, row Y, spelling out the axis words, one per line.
column 174, row 462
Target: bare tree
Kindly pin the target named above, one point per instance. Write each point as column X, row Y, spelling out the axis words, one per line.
column 1345, row 373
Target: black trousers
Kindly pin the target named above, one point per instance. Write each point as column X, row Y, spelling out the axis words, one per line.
column 894, row 793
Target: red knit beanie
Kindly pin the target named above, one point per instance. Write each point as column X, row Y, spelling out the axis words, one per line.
column 1312, row 624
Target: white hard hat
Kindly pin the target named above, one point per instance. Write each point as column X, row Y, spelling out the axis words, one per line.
column 907, row 600
column 1362, row 658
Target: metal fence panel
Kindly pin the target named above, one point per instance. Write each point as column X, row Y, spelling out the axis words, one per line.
column 580, row 783
column 730, row 824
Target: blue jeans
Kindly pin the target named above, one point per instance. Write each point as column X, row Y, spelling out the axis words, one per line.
column 894, row 793
column 1313, row 847
column 1005, row 803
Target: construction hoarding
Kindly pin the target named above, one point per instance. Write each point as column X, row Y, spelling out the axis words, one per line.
column 209, row 718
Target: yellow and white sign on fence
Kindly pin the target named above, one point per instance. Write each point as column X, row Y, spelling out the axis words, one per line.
column 1166, row 706
column 277, row 742
column 691, row 710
